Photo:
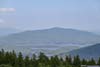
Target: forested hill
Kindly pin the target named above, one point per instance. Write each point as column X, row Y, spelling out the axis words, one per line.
column 11, row 59
column 87, row 52
column 52, row 35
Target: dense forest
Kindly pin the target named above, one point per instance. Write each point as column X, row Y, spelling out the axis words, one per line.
column 11, row 59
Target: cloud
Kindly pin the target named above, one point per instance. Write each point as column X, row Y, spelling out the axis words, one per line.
column 7, row 9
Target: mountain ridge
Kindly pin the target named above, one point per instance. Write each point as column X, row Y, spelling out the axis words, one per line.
column 29, row 42
column 87, row 52
column 54, row 35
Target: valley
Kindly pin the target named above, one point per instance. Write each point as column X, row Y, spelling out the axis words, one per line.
column 53, row 41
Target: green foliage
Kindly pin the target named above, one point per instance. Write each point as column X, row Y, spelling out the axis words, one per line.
column 83, row 62
column 68, row 60
column 3, row 65
column 98, row 61
column 91, row 62
column 77, row 61
column 10, row 59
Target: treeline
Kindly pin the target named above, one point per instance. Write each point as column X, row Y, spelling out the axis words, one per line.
column 11, row 59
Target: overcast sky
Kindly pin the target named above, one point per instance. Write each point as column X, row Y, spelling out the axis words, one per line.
column 40, row 14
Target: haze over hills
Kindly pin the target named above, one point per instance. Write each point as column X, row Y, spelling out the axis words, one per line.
column 8, row 31
column 48, row 40
column 53, row 35
column 87, row 52
column 96, row 32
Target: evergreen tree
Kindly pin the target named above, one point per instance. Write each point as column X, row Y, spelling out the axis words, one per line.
column 3, row 65
column 68, row 60
column 91, row 62
column 20, row 60
column 13, row 59
column 43, row 58
column 98, row 63
column 83, row 62
column 10, row 59
column 55, row 62
column 76, row 61
column 2, row 56
column 27, row 61
column 7, row 58
column 34, row 61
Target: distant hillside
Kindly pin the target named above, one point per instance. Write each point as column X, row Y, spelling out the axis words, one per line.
column 51, row 36
column 50, row 41
column 7, row 31
column 87, row 52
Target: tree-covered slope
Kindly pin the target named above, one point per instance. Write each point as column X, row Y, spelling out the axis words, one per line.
column 53, row 35
column 87, row 52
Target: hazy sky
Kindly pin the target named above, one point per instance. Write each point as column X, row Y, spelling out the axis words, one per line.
column 40, row 14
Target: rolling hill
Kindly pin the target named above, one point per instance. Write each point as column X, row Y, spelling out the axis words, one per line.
column 53, row 35
column 48, row 40
column 87, row 52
